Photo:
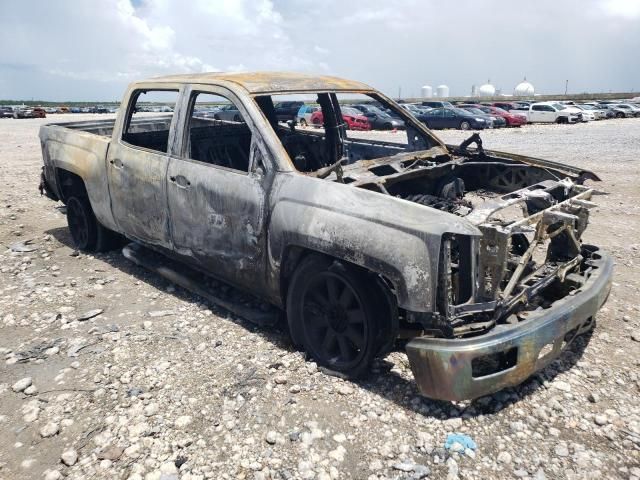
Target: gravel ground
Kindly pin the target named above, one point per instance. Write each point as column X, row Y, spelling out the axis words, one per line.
column 159, row 385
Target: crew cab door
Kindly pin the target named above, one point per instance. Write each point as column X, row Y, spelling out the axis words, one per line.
column 215, row 190
column 137, row 162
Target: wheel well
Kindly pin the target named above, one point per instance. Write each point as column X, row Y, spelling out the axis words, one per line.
column 294, row 254
column 70, row 185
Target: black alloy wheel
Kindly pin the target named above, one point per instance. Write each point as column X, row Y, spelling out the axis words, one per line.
column 335, row 315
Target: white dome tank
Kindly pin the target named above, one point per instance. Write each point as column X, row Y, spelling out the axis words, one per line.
column 442, row 90
column 487, row 90
column 524, row 89
column 427, row 91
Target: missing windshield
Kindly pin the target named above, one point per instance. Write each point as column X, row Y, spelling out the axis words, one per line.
column 325, row 131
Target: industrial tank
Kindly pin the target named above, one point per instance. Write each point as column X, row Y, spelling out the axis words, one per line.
column 524, row 89
column 427, row 91
column 442, row 91
column 487, row 90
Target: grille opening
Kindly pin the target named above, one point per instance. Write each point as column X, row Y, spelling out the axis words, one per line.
column 494, row 363
column 456, row 271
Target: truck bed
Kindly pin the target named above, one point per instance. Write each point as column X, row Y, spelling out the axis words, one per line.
column 104, row 128
column 81, row 148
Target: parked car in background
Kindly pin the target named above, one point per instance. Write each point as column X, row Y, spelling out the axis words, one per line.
column 551, row 113
column 63, row 110
column 436, row 104
column 511, row 119
column 615, row 111
column 508, row 106
column 585, row 115
column 39, row 112
column 98, row 109
column 378, row 118
column 632, row 110
column 23, row 112
column 416, row 111
column 598, row 113
column 494, row 121
column 6, row 112
column 451, row 117
column 353, row 119
column 303, row 117
column 228, row 112
column 288, row 110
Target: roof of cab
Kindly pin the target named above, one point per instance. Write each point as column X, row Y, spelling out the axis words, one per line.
column 269, row 82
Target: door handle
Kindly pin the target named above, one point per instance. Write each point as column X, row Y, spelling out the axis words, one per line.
column 180, row 181
column 117, row 163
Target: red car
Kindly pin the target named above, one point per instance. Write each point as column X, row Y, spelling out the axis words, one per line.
column 513, row 120
column 352, row 117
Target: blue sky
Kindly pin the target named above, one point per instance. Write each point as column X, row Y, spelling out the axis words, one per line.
column 79, row 50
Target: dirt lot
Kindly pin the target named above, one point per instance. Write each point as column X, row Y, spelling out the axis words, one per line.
column 161, row 385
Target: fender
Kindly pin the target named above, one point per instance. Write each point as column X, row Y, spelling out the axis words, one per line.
column 387, row 235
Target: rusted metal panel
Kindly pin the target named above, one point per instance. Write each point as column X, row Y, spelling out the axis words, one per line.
column 271, row 82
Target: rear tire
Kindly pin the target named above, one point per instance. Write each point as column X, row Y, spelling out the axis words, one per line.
column 87, row 233
column 303, row 122
column 619, row 115
column 335, row 315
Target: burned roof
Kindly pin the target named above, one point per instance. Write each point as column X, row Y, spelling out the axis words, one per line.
column 270, row 82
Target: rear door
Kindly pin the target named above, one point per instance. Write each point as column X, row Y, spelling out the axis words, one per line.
column 215, row 190
column 137, row 163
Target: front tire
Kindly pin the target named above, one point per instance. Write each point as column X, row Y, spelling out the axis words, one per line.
column 619, row 115
column 303, row 122
column 464, row 125
column 334, row 315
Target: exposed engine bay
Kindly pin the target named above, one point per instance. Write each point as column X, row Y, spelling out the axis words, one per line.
column 531, row 214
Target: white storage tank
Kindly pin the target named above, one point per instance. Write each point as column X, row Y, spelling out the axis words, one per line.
column 487, row 90
column 524, row 89
column 427, row 91
column 442, row 91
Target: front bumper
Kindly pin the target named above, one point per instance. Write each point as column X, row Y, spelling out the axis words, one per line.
column 444, row 368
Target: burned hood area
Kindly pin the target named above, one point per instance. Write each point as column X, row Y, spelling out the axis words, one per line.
column 529, row 214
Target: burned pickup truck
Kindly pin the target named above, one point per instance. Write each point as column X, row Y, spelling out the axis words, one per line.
column 362, row 238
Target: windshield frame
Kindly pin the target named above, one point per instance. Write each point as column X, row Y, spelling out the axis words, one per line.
column 282, row 160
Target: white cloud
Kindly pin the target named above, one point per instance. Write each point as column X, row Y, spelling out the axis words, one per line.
column 629, row 9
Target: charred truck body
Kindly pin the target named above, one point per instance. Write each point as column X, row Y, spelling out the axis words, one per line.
column 474, row 255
